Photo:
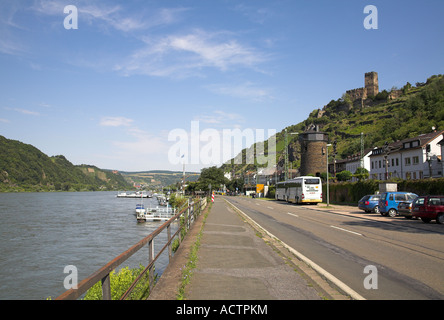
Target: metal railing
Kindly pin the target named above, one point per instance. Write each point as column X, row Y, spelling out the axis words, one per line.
column 189, row 213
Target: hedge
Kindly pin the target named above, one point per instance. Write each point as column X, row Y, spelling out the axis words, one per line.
column 352, row 192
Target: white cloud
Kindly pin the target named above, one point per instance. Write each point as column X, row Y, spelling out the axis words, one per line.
column 115, row 122
column 186, row 55
column 245, row 90
column 111, row 16
column 218, row 117
column 23, row 111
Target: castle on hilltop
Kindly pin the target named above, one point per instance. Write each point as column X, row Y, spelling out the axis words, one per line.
column 371, row 88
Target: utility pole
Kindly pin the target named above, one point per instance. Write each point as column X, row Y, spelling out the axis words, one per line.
column 362, row 150
column 286, row 155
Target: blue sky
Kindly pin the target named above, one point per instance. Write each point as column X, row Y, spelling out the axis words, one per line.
column 110, row 92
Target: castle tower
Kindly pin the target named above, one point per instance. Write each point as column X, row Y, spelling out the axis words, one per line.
column 371, row 83
column 313, row 152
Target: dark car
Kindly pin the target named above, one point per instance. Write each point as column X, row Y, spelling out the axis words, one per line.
column 369, row 203
column 389, row 201
column 429, row 208
column 405, row 208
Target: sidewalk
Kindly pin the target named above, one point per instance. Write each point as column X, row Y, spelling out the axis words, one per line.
column 234, row 263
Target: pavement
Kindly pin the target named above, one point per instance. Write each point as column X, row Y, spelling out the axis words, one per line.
column 235, row 263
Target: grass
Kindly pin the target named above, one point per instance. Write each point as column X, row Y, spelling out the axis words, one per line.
column 187, row 269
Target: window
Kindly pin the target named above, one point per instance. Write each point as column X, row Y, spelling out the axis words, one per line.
column 397, row 162
column 393, row 162
column 379, row 164
column 415, row 160
column 400, row 197
column 434, row 201
column 407, row 161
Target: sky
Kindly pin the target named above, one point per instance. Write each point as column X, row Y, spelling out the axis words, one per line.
column 148, row 85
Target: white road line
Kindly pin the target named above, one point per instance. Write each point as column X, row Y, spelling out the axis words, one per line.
column 316, row 267
column 292, row 214
column 270, row 208
column 346, row 230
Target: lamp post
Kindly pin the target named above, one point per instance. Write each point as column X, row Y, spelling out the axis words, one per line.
column 328, row 195
column 286, row 152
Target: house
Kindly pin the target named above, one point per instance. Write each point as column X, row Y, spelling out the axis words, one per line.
column 354, row 162
column 413, row 158
column 351, row 163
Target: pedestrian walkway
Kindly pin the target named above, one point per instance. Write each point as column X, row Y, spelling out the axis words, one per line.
column 235, row 263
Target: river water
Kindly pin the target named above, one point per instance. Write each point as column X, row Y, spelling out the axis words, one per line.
column 41, row 233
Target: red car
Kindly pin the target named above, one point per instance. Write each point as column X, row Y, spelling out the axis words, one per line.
column 429, row 208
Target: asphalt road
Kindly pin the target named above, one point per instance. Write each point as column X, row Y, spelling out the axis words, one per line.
column 408, row 254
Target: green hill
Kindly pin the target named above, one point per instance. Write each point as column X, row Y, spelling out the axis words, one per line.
column 159, row 178
column 388, row 116
column 25, row 168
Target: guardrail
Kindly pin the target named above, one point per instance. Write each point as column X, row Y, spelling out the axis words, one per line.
column 190, row 213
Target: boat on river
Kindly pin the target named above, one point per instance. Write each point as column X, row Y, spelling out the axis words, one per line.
column 133, row 194
column 154, row 214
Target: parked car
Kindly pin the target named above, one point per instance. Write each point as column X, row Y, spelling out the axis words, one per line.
column 389, row 201
column 369, row 203
column 405, row 208
column 429, row 208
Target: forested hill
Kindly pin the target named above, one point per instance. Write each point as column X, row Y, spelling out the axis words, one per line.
column 23, row 167
column 389, row 116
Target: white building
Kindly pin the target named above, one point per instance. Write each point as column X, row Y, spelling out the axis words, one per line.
column 355, row 163
column 414, row 158
column 351, row 163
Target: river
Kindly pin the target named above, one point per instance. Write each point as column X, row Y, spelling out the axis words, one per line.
column 41, row 233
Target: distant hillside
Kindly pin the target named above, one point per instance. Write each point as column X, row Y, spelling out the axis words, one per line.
column 388, row 116
column 159, row 178
column 25, row 168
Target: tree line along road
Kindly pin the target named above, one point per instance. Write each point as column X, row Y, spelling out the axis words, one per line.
column 408, row 255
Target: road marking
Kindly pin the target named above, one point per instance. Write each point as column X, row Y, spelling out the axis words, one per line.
column 316, row 267
column 257, row 204
column 346, row 230
column 292, row 214
column 270, row 208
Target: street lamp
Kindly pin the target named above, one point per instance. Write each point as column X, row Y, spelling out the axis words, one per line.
column 286, row 152
column 328, row 195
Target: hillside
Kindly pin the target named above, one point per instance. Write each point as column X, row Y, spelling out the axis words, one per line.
column 25, row 168
column 158, row 178
column 388, row 116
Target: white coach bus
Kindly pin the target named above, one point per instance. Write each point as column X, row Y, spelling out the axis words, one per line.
column 300, row 190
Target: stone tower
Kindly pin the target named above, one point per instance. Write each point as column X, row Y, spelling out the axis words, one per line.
column 371, row 83
column 313, row 152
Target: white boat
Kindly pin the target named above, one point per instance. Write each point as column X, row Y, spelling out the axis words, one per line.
column 154, row 214
column 133, row 194
column 140, row 208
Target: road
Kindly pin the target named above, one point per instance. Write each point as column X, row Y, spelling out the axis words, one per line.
column 408, row 254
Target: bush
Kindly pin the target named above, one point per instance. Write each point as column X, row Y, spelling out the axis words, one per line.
column 120, row 282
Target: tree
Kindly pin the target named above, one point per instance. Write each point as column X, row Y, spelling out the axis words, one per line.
column 214, row 176
column 361, row 174
column 344, row 175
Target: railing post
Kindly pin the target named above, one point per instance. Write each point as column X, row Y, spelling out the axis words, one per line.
column 151, row 259
column 170, row 253
column 106, row 288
